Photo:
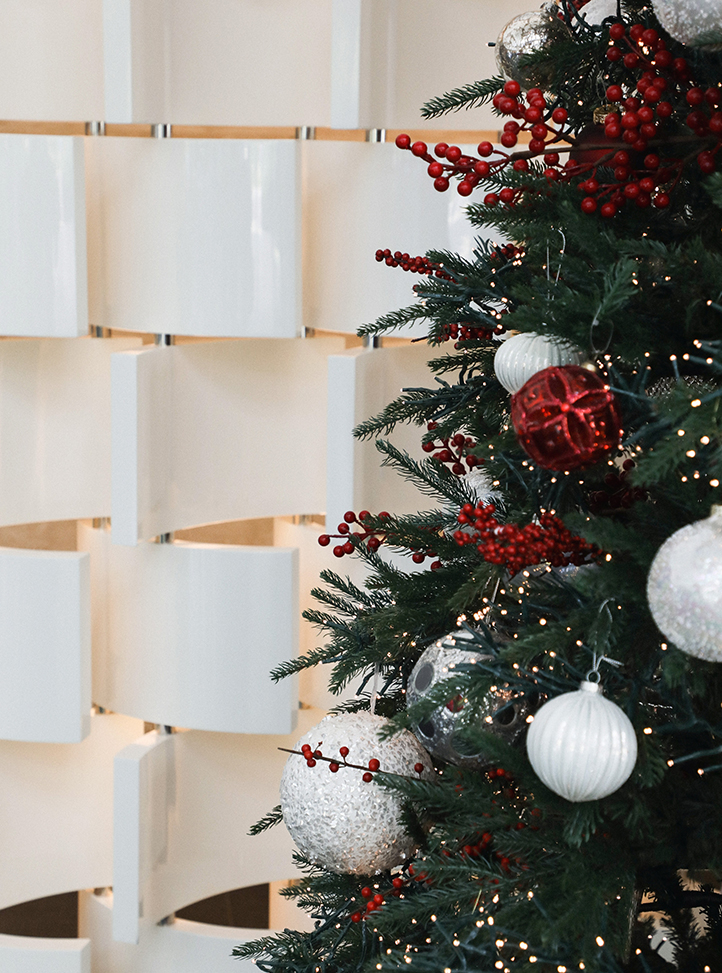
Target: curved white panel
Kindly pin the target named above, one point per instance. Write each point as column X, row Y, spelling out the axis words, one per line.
column 197, row 236
column 183, row 806
column 45, row 635
column 360, row 385
column 51, row 60
column 224, row 62
column 389, row 58
column 31, row 954
column 188, row 447
column 56, row 814
column 394, row 205
column 55, row 429
column 185, row 634
column 181, row 947
column 44, row 285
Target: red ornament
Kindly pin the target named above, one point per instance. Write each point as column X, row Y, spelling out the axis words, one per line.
column 565, row 418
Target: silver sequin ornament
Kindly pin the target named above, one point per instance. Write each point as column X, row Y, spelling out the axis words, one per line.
column 526, row 34
column 581, row 745
column 684, row 588
column 337, row 819
column 696, row 23
column 441, row 732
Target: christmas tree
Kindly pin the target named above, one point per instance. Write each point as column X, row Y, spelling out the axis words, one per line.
column 537, row 784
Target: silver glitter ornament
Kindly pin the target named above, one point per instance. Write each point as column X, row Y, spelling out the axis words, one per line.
column 696, row 23
column 526, row 34
column 684, row 588
column 441, row 732
column 338, row 820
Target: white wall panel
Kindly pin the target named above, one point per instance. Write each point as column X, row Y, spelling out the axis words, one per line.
column 361, row 197
column 218, row 431
column 389, row 57
column 45, row 635
column 51, row 60
column 55, row 429
column 56, row 814
column 185, row 634
column 44, row 284
column 196, row 236
column 361, row 384
column 184, row 805
column 30, row 954
column 222, row 62
column 182, row 947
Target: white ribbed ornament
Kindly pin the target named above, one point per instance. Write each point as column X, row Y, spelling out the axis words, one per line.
column 581, row 745
column 527, row 353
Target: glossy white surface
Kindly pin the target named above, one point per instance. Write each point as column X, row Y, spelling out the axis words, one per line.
column 391, row 56
column 56, row 813
column 186, row 634
column 360, row 385
column 55, row 424
column 184, row 804
column 196, row 236
column 44, row 286
column 45, row 634
column 358, row 198
column 182, row 947
column 51, row 60
column 223, row 62
column 218, row 431
column 31, row 954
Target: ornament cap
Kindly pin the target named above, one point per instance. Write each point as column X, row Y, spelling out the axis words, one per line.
column 590, row 687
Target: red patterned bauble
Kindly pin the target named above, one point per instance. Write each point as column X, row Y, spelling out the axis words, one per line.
column 566, row 417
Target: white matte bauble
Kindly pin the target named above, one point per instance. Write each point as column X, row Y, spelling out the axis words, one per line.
column 338, row 820
column 597, row 11
column 524, row 354
column 684, row 588
column 581, row 745
column 696, row 23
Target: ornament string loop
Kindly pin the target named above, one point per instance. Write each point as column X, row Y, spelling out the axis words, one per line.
column 597, row 660
column 375, row 689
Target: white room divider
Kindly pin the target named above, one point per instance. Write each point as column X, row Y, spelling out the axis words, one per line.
column 31, row 954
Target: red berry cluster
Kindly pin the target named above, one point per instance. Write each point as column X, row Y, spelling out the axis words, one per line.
column 647, row 177
column 518, row 547
column 374, row 900
column 453, row 451
column 466, row 332
column 312, row 756
column 472, row 171
column 372, row 536
column 417, row 265
column 618, row 494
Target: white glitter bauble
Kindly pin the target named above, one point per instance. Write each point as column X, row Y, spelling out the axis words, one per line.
column 581, row 745
column 439, row 731
column 527, row 353
column 526, row 34
column 337, row 819
column 597, row 11
column 696, row 23
column 684, row 588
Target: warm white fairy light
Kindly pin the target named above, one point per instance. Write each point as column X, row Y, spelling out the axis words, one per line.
column 599, row 941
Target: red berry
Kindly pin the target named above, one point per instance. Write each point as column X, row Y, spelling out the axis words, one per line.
column 631, row 190
column 533, row 115
column 367, row 777
column 621, row 158
column 612, row 132
column 398, row 883
column 706, row 162
column 435, row 169
column 664, row 109
column 491, row 199
column 715, row 123
column 338, row 551
column 507, row 195
column 589, row 205
column 647, row 184
column 356, row 917
column 621, row 173
column 695, row 96
column 366, row 892
column 379, row 899
column 512, row 88
column 552, row 158
column 441, row 184
column 661, row 200
column 539, row 131
column 643, row 200
column 650, row 37
column 617, row 31
column 508, row 140
column 712, row 97
column 440, row 149
column 662, row 59
column 419, row 768
column 608, row 210
column 453, row 154
column 630, row 119
column 403, row 141
column 464, row 188
column 371, row 906
column 636, row 31
column 614, row 92
column 348, row 547
column 536, row 146
column 551, row 174
column 560, row 115
column 324, row 540
column 631, row 60
column 481, row 168
column 679, row 65
column 485, row 148
column 310, row 762
column 333, row 767
column 374, row 764
column 646, row 114
column 613, row 54
column 419, row 148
